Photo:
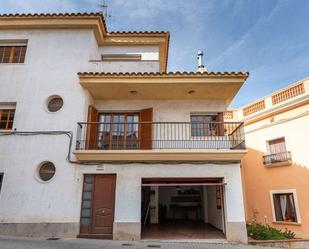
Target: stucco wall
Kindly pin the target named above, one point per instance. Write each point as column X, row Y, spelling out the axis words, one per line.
column 52, row 61
column 259, row 180
column 165, row 110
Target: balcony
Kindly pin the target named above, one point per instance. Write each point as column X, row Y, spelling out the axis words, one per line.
column 157, row 141
column 278, row 159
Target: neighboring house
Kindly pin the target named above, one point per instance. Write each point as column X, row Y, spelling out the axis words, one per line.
column 276, row 169
column 99, row 141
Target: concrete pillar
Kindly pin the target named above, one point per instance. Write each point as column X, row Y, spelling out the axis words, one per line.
column 235, row 222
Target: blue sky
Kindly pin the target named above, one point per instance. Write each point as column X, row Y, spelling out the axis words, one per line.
column 268, row 38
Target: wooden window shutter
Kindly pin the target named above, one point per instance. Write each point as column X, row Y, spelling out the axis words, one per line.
column 92, row 128
column 146, row 129
column 220, row 126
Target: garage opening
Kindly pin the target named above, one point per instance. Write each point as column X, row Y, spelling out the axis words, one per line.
column 182, row 208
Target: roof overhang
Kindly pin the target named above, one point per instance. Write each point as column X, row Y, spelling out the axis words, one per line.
column 93, row 21
column 160, row 86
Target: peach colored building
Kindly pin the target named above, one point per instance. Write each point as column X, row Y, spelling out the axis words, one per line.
column 276, row 169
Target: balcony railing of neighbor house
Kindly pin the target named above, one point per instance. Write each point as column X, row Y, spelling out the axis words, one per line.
column 282, row 157
column 159, row 135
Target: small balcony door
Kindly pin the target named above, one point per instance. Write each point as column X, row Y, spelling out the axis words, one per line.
column 118, row 131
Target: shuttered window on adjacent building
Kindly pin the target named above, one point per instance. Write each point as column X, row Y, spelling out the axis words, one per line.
column 276, row 146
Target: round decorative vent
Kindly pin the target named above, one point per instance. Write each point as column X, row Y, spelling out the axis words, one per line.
column 54, row 103
column 47, row 171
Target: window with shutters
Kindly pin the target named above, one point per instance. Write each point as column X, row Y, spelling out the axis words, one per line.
column 276, row 146
column 277, row 152
column 6, row 118
column 284, row 205
column 12, row 54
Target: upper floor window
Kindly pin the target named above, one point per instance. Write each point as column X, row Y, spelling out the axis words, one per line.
column 12, row 54
column 207, row 124
column 7, row 113
column 277, row 153
column 13, row 51
column 121, row 57
column 276, row 146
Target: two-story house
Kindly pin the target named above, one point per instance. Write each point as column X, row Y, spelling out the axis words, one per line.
column 276, row 167
column 98, row 140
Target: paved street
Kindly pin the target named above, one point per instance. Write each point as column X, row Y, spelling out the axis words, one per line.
column 31, row 243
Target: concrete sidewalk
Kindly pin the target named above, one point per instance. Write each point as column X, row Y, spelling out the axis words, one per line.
column 34, row 243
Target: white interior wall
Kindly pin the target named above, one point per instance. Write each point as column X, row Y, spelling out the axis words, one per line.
column 214, row 214
column 165, row 195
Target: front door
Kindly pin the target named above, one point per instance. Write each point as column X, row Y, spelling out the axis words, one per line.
column 99, row 192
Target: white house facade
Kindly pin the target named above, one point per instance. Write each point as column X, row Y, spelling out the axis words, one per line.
column 97, row 140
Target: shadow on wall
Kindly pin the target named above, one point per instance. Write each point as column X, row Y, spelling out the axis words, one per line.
column 259, row 180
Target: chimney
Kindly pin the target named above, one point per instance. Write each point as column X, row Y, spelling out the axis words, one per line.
column 200, row 67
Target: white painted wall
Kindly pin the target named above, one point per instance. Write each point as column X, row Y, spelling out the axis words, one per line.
column 164, row 110
column 53, row 59
column 215, row 216
column 128, row 199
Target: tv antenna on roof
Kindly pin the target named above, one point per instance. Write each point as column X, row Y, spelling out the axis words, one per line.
column 104, row 10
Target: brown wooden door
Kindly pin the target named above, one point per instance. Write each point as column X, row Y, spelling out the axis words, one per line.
column 103, row 205
column 146, row 129
column 91, row 142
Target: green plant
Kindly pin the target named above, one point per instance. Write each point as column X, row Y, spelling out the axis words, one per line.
column 289, row 234
column 265, row 232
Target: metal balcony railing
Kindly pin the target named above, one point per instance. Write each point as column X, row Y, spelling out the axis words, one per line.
column 277, row 158
column 160, row 135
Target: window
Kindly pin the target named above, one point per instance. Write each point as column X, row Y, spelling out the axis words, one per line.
column 121, row 57
column 284, row 206
column 276, row 146
column 1, row 180
column 276, row 152
column 6, row 119
column 12, row 54
column 54, row 103
column 201, row 125
column 118, row 130
column 47, row 171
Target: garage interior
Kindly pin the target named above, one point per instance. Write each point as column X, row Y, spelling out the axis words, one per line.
column 182, row 208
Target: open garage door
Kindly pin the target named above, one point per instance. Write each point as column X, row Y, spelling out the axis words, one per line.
column 182, row 208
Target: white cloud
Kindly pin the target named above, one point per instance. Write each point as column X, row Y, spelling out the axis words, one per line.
column 243, row 39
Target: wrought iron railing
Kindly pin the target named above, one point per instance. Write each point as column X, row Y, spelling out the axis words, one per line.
column 277, row 158
column 159, row 135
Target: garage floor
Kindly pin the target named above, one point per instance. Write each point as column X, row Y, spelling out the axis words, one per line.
column 181, row 229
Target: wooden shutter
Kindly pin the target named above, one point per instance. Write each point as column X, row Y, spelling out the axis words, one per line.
column 146, row 129
column 220, row 126
column 92, row 129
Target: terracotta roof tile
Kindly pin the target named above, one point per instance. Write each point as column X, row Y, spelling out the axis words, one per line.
column 138, row 32
column 244, row 74
column 56, row 15
column 80, row 14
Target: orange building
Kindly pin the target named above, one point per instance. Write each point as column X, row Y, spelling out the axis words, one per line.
column 275, row 170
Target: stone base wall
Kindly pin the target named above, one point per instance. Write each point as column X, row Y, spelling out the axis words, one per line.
column 127, row 231
column 47, row 230
column 236, row 232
